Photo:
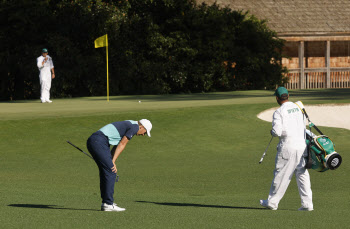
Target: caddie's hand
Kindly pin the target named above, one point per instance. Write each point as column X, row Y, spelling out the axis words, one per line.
column 114, row 168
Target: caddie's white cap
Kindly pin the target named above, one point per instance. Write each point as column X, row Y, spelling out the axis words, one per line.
column 148, row 126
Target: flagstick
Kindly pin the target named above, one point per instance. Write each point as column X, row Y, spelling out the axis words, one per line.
column 107, row 68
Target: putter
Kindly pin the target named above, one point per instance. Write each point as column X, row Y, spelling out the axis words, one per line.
column 262, row 158
column 116, row 180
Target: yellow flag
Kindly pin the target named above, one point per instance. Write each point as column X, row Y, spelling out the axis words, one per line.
column 101, row 42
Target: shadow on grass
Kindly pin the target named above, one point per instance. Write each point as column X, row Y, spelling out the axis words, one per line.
column 44, row 206
column 339, row 93
column 198, row 205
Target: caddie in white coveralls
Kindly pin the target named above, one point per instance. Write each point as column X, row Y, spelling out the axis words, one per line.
column 289, row 125
column 45, row 65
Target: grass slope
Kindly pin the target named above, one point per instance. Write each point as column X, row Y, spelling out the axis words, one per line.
column 199, row 170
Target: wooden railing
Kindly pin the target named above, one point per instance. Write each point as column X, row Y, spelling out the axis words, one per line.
column 294, row 81
column 340, row 80
column 317, row 78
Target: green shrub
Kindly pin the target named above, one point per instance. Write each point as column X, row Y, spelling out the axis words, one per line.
column 155, row 47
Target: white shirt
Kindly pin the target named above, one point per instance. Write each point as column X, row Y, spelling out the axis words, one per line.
column 288, row 124
column 47, row 66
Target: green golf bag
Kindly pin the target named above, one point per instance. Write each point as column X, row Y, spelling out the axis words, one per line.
column 321, row 153
column 321, row 149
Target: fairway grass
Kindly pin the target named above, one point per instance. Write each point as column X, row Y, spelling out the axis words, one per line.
column 199, row 170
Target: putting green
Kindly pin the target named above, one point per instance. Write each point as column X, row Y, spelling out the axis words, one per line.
column 199, row 170
column 29, row 109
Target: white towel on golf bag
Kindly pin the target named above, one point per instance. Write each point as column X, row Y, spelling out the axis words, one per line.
column 289, row 125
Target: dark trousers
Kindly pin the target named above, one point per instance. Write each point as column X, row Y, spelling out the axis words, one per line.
column 98, row 147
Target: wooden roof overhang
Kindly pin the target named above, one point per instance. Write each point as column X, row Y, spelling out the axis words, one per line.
column 295, row 37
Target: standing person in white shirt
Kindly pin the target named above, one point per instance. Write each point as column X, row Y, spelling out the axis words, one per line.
column 45, row 65
column 288, row 124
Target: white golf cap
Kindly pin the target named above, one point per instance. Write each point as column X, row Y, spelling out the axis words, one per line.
column 148, row 126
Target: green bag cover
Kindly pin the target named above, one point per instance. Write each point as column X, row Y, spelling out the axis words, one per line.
column 323, row 154
column 325, row 144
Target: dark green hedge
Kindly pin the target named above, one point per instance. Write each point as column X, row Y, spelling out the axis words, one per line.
column 155, row 46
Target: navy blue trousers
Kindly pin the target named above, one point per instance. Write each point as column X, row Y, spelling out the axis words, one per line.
column 98, row 147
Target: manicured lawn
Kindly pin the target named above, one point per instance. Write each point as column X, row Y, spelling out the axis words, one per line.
column 199, row 170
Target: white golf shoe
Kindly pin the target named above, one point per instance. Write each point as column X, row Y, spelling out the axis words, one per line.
column 48, row 101
column 265, row 204
column 305, row 209
column 111, row 208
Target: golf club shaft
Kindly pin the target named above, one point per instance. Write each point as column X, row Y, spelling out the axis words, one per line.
column 316, row 128
column 117, row 178
column 79, row 149
column 262, row 158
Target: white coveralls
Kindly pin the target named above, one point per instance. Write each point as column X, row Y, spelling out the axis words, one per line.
column 45, row 77
column 289, row 125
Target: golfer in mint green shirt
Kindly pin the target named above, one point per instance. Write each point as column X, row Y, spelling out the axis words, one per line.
column 117, row 134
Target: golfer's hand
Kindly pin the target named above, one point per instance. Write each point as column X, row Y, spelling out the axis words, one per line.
column 53, row 75
column 114, row 168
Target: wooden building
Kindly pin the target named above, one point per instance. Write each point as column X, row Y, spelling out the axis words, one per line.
column 317, row 34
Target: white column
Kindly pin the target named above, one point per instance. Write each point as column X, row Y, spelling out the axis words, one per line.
column 328, row 64
column 301, row 65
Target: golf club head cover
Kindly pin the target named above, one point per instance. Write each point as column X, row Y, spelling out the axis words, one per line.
column 301, row 106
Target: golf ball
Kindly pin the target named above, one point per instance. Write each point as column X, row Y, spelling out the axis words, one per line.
column 139, row 101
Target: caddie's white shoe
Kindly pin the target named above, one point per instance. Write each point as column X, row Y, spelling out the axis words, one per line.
column 305, row 209
column 111, row 208
column 48, row 101
column 265, row 204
